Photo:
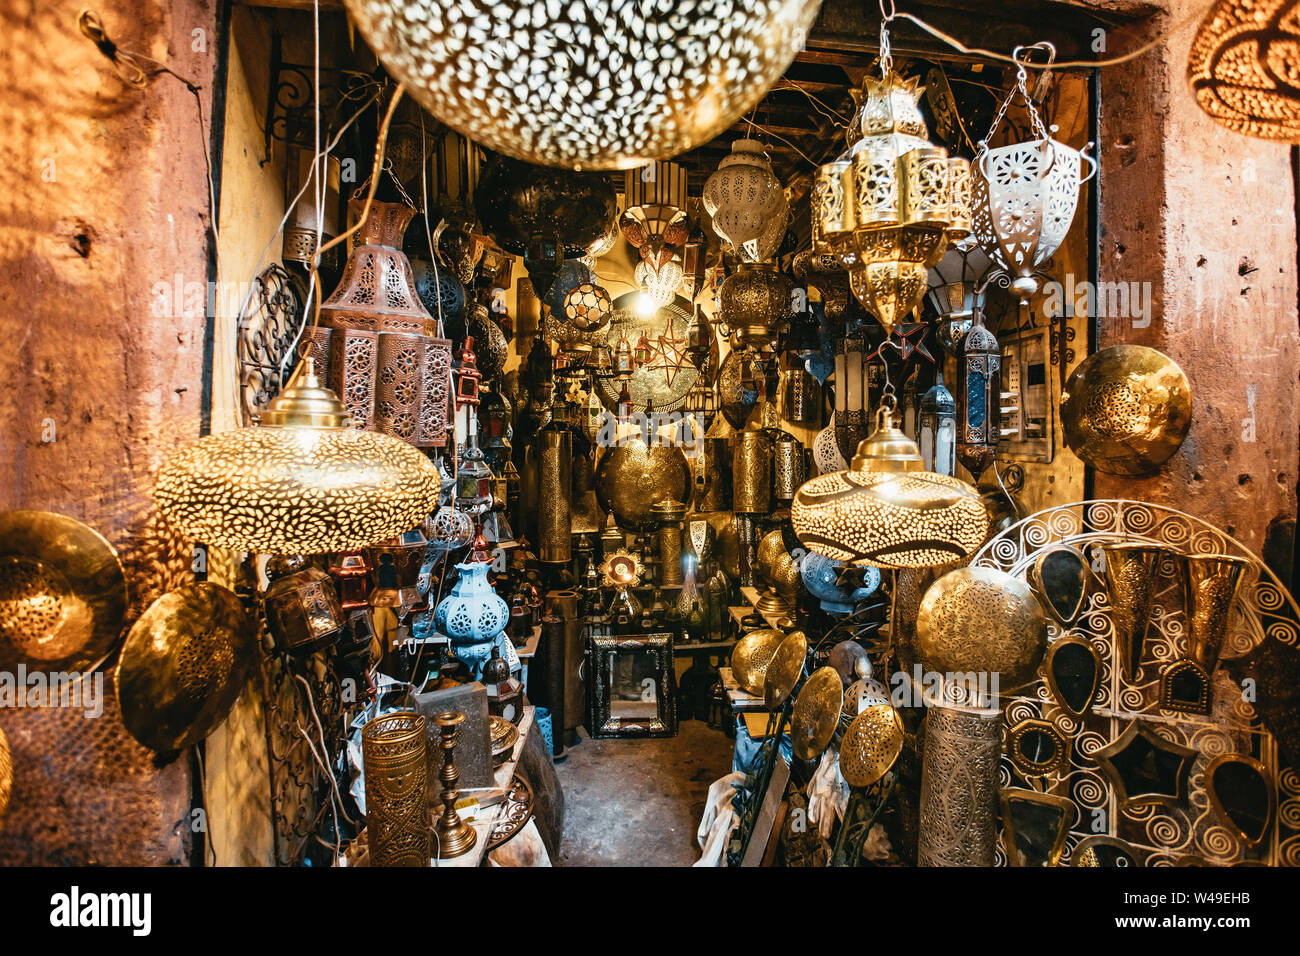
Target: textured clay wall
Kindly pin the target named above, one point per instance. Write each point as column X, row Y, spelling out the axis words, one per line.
column 105, row 198
column 1208, row 218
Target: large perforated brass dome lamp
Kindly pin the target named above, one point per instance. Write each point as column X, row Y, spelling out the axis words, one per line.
column 301, row 482
column 1242, row 67
column 602, row 84
column 886, row 510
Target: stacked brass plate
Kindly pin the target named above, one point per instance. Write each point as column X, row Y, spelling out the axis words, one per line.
column 1126, row 409
column 6, row 777
column 62, row 593
column 751, row 657
column 816, row 713
column 871, row 745
column 183, row 666
column 784, row 670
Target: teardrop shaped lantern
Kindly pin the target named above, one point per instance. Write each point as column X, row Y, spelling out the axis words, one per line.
column 886, row 510
column 746, row 202
column 1024, row 195
column 302, row 482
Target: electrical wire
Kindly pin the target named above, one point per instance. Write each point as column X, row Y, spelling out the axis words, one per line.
column 1195, row 17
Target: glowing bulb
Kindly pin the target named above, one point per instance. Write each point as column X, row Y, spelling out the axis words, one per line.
column 645, row 305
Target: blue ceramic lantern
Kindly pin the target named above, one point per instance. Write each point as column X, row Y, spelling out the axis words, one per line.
column 819, row 576
column 473, row 615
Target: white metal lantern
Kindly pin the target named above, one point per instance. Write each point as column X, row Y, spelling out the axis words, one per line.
column 747, row 202
column 1025, row 194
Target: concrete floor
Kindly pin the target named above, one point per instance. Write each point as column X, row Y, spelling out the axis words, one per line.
column 638, row 802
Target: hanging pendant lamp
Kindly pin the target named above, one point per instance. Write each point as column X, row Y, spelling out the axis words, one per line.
column 746, row 202
column 300, row 482
column 603, row 84
column 886, row 510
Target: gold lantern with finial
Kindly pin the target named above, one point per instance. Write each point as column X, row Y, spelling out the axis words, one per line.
column 888, row 205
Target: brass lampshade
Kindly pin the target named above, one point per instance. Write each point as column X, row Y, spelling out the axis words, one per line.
column 886, row 510
column 302, row 482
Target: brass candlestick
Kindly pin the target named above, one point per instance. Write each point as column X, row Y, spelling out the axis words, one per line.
column 454, row 835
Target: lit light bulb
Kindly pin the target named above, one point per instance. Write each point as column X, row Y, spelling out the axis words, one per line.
column 645, row 305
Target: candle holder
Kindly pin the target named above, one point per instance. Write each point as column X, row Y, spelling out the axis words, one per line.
column 455, row 836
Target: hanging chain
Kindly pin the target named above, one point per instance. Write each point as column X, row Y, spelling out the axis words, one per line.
column 886, row 56
column 1021, row 87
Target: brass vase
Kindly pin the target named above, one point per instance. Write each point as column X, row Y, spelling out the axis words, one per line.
column 751, row 473
column 394, row 754
column 633, row 477
column 959, row 788
column 1131, row 569
column 554, row 445
column 1210, row 583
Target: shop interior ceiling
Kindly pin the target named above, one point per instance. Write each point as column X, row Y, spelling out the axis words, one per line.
column 801, row 118
column 801, row 121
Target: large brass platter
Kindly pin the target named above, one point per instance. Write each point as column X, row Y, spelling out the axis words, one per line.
column 871, row 745
column 816, row 713
column 784, row 670
column 1126, row 409
column 669, row 374
column 751, row 657
column 183, row 666
column 63, row 593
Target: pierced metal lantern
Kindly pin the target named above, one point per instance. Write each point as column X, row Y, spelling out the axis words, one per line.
column 938, row 429
column 301, row 606
column 1242, row 67
column 756, row 301
column 851, row 395
column 956, row 290
column 384, row 361
column 887, row 510
column 596, row 85
column 1024, row 195
column 351, row 573
column 300, row 483
column 397, row 570
column 472, row 614
column 979, row 398
column 746, row 202
column 588, row 307
column 654, row 216
column 888, row 206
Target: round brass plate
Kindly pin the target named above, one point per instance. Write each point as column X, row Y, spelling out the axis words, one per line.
column 784, row 669
column 871, row 745
column 183, row 666
column 6, row 777
column 751, row 657
column 816, row 713
column 62, row 593
column 1126, row 409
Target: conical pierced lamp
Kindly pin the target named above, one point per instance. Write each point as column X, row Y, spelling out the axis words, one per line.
column 886, row 510
column 300, row 482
